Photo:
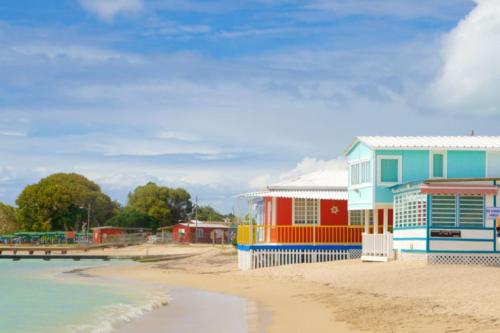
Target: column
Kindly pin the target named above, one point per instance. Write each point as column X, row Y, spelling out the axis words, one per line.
column 386, row 220
column 367, row 220
column 375, row 221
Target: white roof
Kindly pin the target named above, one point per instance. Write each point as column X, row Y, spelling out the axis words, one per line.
column 324, row 184
column 304, row 194
column 430, row 142
column 328, row 179
column 205, row 224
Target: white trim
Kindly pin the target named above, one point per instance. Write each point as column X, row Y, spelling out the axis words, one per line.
column 360, row 175
column 431, row 163
column 399, row 158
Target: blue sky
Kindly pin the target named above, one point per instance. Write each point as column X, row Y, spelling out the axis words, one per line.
column 222, row 97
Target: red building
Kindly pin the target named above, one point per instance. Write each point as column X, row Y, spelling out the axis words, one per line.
column 202, row 232
column 102, row 234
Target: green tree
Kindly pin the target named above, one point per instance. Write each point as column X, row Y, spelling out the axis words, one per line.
column 128, row 217
column 8, row 221
column 207, row 213
column 61, row 201
column 164, row 205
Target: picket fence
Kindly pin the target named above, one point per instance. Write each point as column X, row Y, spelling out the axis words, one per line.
column 268, row 258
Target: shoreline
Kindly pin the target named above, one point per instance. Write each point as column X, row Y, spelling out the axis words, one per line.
column 283, row 305
column 341, row 296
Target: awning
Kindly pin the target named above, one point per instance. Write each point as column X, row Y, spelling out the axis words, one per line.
column 326, row 195
column 461, row 189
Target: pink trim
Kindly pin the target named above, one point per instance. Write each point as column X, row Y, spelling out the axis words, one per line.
column 458, row 189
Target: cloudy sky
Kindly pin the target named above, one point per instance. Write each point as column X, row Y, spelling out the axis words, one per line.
column 222, row 97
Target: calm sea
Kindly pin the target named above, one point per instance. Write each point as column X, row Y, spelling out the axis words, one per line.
column 37, row 296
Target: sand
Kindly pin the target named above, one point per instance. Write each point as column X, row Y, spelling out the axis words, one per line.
column 342, row 296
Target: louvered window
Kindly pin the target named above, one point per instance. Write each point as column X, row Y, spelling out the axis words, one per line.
column 463, row 211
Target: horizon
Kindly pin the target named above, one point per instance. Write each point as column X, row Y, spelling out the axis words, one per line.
column 222, row 98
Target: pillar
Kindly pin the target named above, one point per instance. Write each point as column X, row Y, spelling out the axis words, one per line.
column 375, row 221
column 367, row 221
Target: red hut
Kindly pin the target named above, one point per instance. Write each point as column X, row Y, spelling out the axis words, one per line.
column 202, row 232
column 102, row 234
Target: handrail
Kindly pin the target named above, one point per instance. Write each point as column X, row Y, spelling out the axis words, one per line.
column 301, row 234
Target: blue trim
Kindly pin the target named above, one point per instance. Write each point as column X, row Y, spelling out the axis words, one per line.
column 406, row 228
column 428, row 222
column 454, row 251
column 298, row 247
column 446, row 251
column 462, row 239
column 463, row 228
column 409, row 238
column 495, row 221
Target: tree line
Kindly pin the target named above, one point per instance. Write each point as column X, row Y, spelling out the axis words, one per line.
column 66, row 201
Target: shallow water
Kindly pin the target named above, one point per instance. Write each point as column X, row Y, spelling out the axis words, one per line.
column 37, row 297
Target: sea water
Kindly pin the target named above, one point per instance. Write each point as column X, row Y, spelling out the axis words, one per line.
column 40, row 296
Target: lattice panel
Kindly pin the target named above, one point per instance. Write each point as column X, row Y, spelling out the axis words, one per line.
column 355, row 254
column 465, row 259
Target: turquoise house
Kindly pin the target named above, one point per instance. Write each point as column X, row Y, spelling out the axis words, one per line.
column 437, row 194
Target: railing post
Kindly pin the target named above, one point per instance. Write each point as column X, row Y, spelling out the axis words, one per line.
column 314, row 234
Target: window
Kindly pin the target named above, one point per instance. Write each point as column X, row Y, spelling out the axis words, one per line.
column 463, row 211
column 410, row 209
column 305, row 211
column 437, row 168
column 471, row 209
column 443, row 212
column 389, row 170
column 360, row 173
column 200, row 233
column 357, row 217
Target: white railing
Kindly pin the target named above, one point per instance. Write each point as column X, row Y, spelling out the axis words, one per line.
column 270, row 258
column 377, row 247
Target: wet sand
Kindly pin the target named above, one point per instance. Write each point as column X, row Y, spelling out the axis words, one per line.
column 194, row 310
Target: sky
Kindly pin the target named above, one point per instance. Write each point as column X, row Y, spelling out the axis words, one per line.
column 223, row 97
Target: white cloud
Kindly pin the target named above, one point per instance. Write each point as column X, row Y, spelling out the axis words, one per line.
column 260, row 182
column 11, row 133
column 309, row 165
column 470, row 76
column 108, row 9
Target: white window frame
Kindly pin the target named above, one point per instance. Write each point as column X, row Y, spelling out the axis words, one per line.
column 399, row 158
column 318, row 212
column 431, row 163
column 360, row 174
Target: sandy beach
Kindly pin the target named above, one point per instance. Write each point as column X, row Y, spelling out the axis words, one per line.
column 342, row 296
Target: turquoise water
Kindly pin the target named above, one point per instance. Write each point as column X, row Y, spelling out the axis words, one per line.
column 37, row 297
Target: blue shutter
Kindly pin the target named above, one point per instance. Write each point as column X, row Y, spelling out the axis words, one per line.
column 437, row 165
column 389, row 170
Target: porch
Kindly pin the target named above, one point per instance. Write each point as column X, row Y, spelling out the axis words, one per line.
column 304, row 235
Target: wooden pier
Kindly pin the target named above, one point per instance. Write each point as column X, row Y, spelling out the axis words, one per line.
column 75, row 253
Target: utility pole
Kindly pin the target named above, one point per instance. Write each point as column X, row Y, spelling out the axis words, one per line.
column 196, row 220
